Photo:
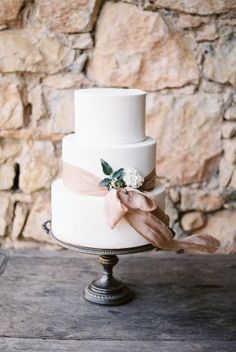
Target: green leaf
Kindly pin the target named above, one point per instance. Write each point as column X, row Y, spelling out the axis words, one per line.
column 107, row 169
column 118, row 174
column 105, row 182
column 120, row 183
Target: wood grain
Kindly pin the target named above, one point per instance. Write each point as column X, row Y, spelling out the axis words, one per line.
column 182, row 303
column 40, row 345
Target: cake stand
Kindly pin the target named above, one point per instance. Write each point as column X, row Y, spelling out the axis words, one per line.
column 106, row 290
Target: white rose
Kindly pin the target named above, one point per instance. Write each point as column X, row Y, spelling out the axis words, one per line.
column 132, row 178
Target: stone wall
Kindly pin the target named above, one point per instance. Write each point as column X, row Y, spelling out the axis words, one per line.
column 183, row 53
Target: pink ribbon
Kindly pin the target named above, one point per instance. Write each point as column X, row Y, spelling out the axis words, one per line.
column 140, row 210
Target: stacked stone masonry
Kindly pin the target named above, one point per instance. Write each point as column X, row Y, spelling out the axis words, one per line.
column 183, row 53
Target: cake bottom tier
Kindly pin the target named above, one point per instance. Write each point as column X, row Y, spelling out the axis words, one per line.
column 80, row 220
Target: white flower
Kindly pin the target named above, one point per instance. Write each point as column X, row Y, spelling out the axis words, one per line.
column 132, row 178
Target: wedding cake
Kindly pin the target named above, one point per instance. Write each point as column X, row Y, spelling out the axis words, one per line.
column 108, row 151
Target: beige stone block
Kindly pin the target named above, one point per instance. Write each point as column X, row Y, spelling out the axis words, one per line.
column 200, row 7
column 228, row 19
column 79, row 63
column 3, row 225
column 229, row 129
column 68, row 16
column 231, row 113
column 20, row 214
column 225, row 172
column 184, row 21
column 186, row 151
column 229, row 146
column 18, row 196
column 171, row 211
column 186, row 90
column 81, row 41
column 142, row 51
column 220, row 63
column 193, row 221
column 8, row 149
column 52, row 108
column 210, row 87
column 233, row 179
column 41, row 133
column 60, row 107
column 67, row 80
column 204, row 200
column 7, row 175
column 6, row 212
column 222, row 225
column 9, row 10
column 38, row 166
column 39, row 213
column 11, row 106
column 207, row 32
column 36, row 99
column 174, row 195
column 33, row 50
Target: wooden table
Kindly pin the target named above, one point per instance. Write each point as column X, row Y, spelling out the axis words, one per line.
column 183, row 303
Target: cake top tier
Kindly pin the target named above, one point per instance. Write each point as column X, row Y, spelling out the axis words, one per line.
column 110, row 115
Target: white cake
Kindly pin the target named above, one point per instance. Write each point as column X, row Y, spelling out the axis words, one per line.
column 109, row 124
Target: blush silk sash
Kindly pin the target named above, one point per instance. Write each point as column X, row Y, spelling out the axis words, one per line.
column 140, row 209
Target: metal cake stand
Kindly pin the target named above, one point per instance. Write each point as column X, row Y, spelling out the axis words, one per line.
column 106, row 290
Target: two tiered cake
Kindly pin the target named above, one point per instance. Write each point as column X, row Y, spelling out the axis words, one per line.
column 109, row 126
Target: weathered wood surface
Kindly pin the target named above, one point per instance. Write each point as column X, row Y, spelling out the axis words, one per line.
column 183, row 303
column 42, row 345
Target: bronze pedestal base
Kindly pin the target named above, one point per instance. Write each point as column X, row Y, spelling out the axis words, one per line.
column 107, row 290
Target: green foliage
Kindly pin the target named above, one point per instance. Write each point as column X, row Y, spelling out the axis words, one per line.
column 118, row 174
column 106, row 182
column 120, row 183
column 115, row 179
column 107, row 169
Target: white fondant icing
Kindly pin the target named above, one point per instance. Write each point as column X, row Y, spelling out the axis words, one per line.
column 81, row 220
column 110, row 115
column 109, row 124
column 140, row 156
